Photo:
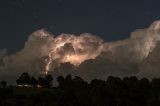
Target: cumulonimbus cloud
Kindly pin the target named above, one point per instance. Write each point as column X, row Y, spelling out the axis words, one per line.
column 87, row 55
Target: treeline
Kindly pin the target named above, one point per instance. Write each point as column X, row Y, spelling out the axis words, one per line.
column 25, row 80
column 74, row 91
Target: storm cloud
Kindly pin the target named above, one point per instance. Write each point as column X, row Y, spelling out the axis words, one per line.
column 87, row 55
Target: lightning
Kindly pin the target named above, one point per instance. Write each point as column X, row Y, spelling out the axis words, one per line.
column 47, row 67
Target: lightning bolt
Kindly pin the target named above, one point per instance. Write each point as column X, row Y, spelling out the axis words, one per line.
column 47, row 67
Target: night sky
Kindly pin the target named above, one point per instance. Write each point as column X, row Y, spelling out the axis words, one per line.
column 109, row 19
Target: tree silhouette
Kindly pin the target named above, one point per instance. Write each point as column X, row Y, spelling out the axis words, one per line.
column 41, row 81
column 33, row 82
column 155, row 92
column 60, row 79
column 49, row 80
column 45, row 81
column 23, row 79
column 3, row 84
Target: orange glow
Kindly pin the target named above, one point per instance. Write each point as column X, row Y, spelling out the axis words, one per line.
column 71, row 48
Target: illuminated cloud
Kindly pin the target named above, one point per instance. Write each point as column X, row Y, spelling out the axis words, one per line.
column 43, row 52
column 86, row 55
column 127, row 57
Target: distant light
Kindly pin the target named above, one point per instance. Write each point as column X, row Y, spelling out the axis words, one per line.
column 25, row 85
column 20, row 85
column 39, row 86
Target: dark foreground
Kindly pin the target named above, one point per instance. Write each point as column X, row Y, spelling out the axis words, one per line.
column 128, row 91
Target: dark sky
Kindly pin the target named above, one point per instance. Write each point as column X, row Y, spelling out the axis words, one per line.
column 109, row 19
